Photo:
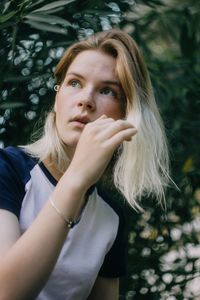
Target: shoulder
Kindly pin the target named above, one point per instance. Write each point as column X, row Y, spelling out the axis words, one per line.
column 17, row 159
column 16, row 155
column 15, row 168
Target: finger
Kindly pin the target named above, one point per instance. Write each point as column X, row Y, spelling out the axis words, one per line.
column 103, row 119
column 108, row 130
column 100, row 122
column 121, row 136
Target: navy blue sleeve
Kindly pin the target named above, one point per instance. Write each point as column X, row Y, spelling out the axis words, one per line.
column 12, row 188
column 115, row 262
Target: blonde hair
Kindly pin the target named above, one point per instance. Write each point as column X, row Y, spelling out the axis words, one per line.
column 142, row 167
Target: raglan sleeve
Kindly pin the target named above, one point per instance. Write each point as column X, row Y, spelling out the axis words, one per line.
column 115, row 261
column 11, row 188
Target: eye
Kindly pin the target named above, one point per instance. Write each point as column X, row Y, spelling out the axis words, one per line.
column 108, row 92
column 74, row 83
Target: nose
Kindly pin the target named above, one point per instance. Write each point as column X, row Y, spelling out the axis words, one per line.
column 86, row 101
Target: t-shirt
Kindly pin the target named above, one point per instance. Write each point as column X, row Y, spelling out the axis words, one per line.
column 96, row 246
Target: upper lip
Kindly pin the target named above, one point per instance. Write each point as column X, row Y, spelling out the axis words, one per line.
column 81, row 119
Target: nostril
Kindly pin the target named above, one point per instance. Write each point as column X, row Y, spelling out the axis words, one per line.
column 89, row 105
column 86, row 104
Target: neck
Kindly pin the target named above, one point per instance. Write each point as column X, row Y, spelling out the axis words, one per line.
column 52, row 169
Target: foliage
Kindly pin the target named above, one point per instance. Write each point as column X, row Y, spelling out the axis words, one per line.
column 163, row 246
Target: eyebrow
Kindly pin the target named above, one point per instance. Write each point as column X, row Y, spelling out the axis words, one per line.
column 111, row 82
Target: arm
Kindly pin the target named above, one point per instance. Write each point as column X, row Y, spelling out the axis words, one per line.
column 12, row 232
column 105, row 288
column 27, row 261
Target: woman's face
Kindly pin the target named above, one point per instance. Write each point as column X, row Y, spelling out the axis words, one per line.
column 90, row 89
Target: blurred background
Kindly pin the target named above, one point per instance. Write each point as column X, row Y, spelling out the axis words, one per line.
column 164, row 246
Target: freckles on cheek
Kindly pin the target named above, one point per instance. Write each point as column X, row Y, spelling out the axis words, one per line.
column 115, row 112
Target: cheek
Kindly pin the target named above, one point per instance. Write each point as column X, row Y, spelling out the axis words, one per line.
column 60, row 103
column 113, row 110
column 61, row 110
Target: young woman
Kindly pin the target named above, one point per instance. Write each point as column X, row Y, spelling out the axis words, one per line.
column 60, row 237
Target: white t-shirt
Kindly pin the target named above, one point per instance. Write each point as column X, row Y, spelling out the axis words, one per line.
column 96, row 246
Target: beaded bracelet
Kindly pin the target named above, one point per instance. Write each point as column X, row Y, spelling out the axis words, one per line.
column 69, row 223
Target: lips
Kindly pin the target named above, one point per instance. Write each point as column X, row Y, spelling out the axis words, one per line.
column 80, row 121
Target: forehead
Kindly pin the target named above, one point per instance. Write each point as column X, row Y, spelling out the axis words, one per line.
column 94, row 63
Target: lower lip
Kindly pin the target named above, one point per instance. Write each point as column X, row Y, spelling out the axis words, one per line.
column 78, row 124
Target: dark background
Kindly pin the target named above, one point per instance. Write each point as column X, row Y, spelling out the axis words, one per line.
column 164, row 250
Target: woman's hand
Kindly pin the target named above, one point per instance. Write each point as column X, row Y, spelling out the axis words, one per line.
column 95, row 148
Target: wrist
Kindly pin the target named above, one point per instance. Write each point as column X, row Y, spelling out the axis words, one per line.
column 69, row 195
column 76, row 181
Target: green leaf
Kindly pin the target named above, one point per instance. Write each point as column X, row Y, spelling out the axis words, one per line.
column 6, row 24
column 8, row 16
column 50, row 19
column 10, row 105
column 54, row 5
column 6, row 6
column 37, row 2
column 44, row 27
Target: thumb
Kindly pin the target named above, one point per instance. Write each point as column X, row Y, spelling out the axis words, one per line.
column 102, row 117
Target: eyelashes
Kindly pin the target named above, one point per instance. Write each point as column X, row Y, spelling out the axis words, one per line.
column 108, row 92
column 74, row 83
column 104, row 91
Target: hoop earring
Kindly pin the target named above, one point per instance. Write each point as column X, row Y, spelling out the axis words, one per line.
column 56, row 88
